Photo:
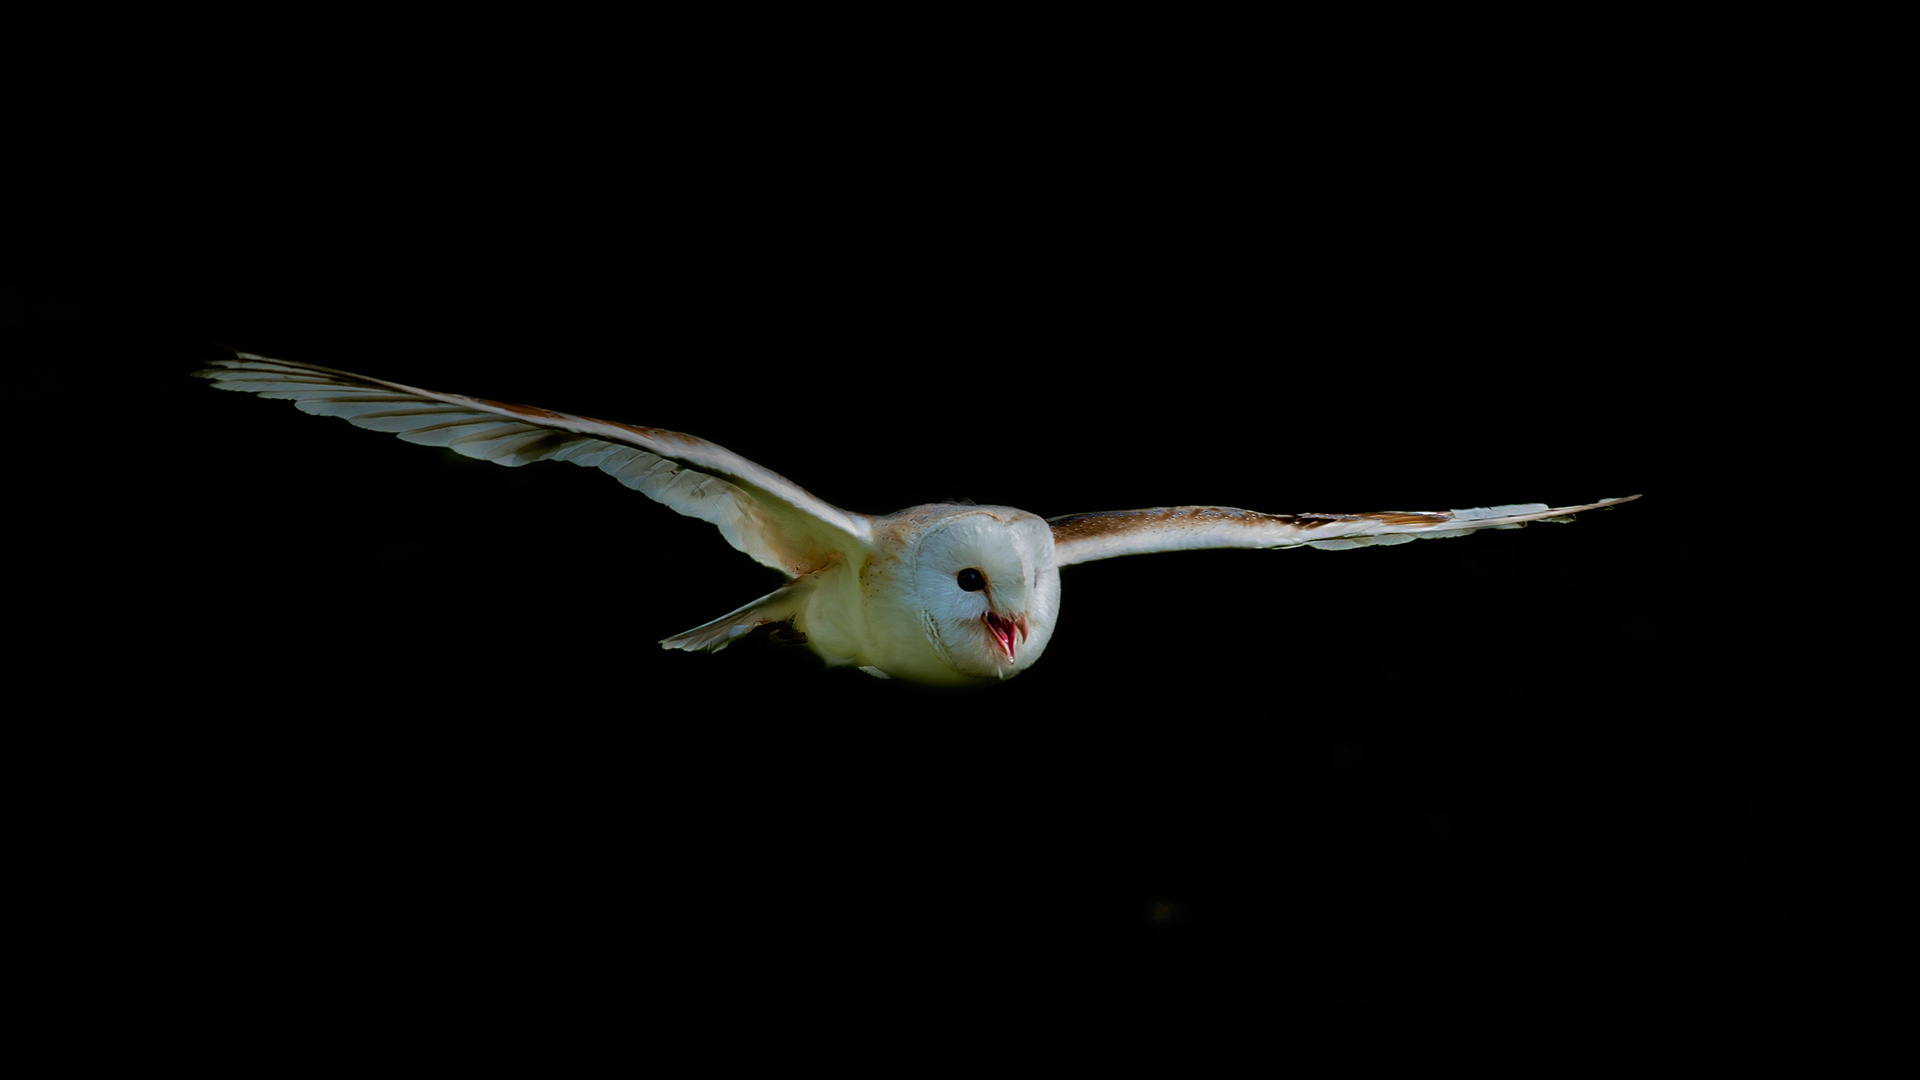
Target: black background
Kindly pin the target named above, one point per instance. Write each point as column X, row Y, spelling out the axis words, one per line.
column 351, row 709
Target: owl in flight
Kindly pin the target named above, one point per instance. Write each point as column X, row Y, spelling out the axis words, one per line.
column 942, row 594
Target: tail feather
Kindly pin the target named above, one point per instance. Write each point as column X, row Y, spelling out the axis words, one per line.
column 777, row 606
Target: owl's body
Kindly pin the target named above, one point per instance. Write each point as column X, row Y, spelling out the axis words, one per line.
column 942, row 594
column 895, row 605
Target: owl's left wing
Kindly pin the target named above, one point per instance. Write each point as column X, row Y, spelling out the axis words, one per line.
column 770, row 518
column 1085, row 537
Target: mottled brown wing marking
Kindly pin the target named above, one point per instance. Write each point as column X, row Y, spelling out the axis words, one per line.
column 532, row 411
column 1087, row 526
column 1394, row 517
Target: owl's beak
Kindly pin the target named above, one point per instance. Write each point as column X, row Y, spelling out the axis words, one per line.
column 1004, row 629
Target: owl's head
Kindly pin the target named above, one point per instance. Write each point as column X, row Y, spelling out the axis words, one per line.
column 987, row 589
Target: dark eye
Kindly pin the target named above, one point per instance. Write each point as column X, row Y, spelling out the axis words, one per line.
column 972, row 580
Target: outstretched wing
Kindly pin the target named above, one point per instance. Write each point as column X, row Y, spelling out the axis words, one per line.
column 1085, row 537
column 760, row 512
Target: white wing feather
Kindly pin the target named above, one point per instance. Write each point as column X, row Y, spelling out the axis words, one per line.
column 760, row 512
column 1085, row 537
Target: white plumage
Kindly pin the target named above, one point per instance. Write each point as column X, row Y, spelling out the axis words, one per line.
column 943, row 594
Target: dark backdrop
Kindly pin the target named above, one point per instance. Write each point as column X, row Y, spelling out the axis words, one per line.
column 347, row 707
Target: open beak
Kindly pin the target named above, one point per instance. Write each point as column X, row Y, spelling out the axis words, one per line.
column 1003, row 630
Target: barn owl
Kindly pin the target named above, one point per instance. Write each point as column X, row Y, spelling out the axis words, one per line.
column 943, row 594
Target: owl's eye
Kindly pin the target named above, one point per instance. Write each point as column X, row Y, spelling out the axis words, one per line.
column 971, row 580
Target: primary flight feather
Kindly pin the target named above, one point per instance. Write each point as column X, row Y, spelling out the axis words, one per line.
column 941, row 593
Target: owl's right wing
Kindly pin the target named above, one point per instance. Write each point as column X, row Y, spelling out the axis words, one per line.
column 765, row 515
column 1085, row 537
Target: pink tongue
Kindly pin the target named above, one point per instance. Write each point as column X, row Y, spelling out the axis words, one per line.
column 1003, row 633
